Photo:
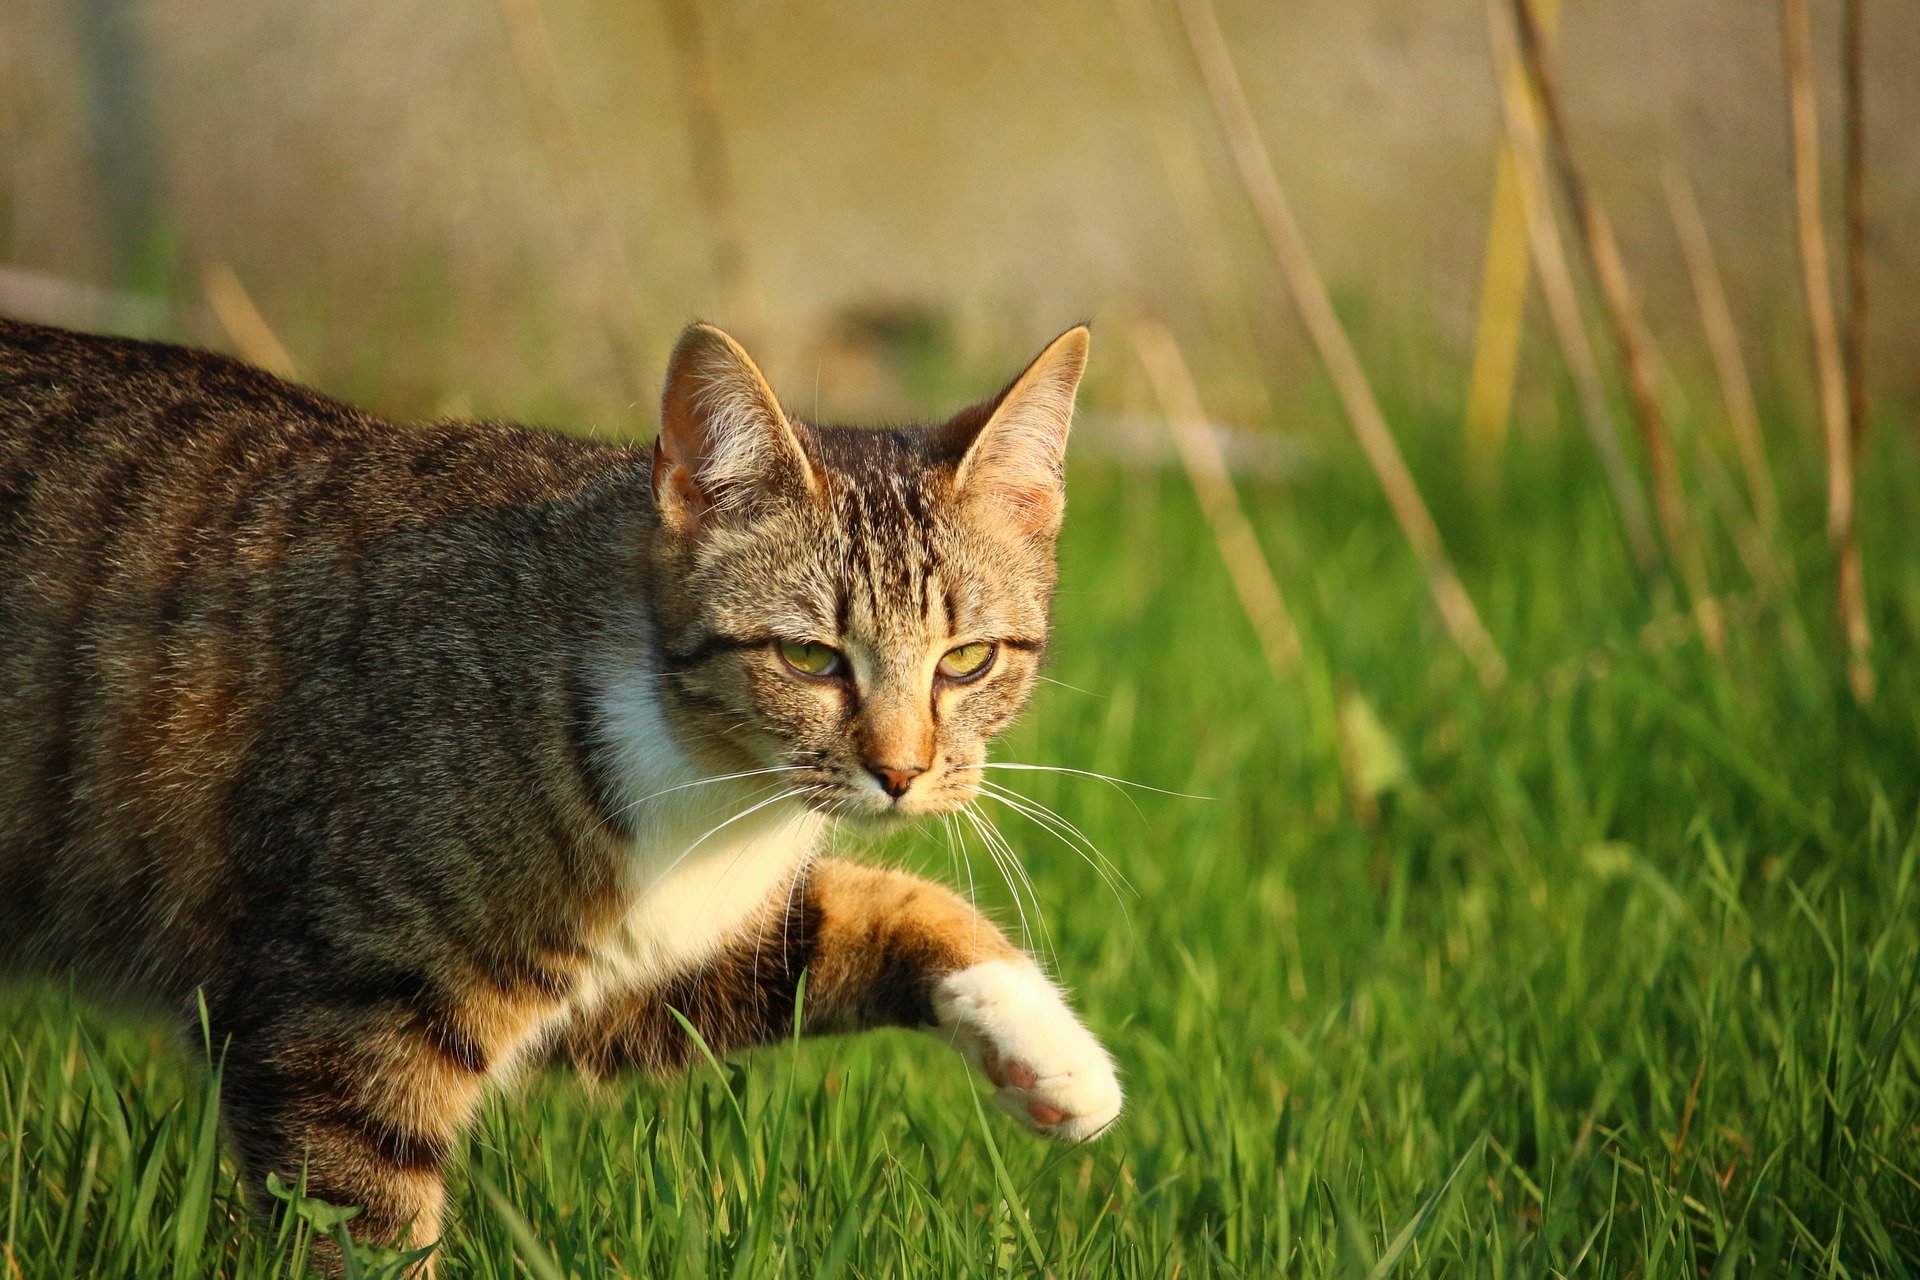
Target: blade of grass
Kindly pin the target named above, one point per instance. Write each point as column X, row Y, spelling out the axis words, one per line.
column 1404, row 1239
column 846, row 1230
column 1004, row 1180
column 195, row 1203
column 719, row 1071
column 713, row 179
column 234, row 308
column 539, row 1260
column 1718, row 743
column 1222, row 283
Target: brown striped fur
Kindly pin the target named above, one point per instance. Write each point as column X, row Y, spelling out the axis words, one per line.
column 315, row 718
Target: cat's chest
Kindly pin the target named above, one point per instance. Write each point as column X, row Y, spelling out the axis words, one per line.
column 694, row 891
column 707, row 851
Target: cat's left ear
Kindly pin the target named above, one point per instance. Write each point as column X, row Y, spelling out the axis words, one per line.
column 725, row 445
column 1017, row 461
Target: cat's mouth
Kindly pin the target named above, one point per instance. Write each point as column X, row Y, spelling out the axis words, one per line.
column 877, row 797
column 872, row 803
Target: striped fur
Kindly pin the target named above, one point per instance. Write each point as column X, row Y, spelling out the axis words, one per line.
column 394, row 745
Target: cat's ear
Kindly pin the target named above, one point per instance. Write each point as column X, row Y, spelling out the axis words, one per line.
column 725, row 445
column 1017, row 461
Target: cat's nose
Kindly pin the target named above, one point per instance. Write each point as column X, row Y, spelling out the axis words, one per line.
column 894, row 779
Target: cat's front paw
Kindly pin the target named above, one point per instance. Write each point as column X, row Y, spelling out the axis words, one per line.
column 1049, row 1071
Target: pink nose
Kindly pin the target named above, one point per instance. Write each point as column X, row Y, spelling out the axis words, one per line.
column 893, row 779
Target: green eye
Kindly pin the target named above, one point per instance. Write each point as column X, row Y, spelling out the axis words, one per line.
column 967, row 660
column 812, row 659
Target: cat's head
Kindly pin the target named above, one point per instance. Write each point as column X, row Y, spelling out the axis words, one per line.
column 865, row 608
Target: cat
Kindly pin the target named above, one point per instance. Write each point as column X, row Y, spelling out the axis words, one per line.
column 422, row 753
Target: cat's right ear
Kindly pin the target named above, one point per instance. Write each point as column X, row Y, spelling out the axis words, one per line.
column 1015, row 463
column 725, row 445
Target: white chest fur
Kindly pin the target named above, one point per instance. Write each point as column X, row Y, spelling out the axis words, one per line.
column 707, row 855
column 688, row 904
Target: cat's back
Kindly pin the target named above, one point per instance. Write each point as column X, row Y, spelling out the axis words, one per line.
column 199, row 563
column 75, row 407
column 135, row 476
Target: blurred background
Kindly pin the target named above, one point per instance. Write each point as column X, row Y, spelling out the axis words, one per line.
column 507, row 208
column 1522, row 716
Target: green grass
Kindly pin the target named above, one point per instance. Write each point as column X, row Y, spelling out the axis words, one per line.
column 1621, row 983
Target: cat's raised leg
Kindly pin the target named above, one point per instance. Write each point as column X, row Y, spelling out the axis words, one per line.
column 1050, row 1073
column 879, row 948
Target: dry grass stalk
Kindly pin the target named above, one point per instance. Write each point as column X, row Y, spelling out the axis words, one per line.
column 1223, row 285
column 1206, row 468
column 1686, row 1112
column 1854, row 97
column 713, row 181
column 1629, row 329
column 1503, row 293
column 1843, row 539
column 1257, row 177
column 248, row 330
column 1496, row 333
column 1562, row 297
column 1723, row 343
column 610, row 284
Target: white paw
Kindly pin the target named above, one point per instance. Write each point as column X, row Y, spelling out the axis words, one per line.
column 1049, row 1071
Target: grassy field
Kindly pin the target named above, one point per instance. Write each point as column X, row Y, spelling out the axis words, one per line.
column 1618, row 981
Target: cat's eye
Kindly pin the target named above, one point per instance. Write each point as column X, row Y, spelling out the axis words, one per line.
column 812, row 659
column 965, row 662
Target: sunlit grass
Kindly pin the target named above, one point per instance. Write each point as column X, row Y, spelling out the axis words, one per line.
column 1621, row 982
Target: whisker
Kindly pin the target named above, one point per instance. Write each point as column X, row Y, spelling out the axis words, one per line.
column 1107, row 872
column 1067, row 833
column 1019, row 904
column 1054, row 818
column 1076, row 688
column 1014, row 861
column 1109, row 779
column 953, row 858
column 964, row 859
column 703, row 782
column 1031, row 938
column 1011, row 867
column 786, row 914
column 953, row 862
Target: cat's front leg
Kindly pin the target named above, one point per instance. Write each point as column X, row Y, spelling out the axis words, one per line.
column 1049, row 1072
column 893, row 948
column 879, row 948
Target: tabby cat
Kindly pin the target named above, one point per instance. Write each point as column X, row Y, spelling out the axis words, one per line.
column 419, row 753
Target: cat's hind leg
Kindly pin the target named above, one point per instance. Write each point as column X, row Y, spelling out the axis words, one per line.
column 365, row 1105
